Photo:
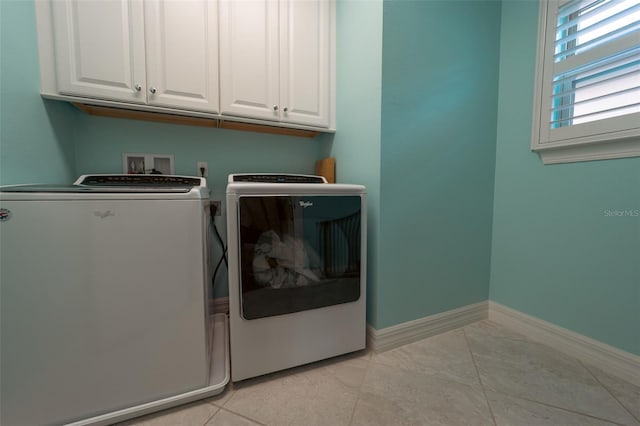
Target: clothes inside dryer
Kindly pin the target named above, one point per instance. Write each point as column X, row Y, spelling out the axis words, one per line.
column 298, row 253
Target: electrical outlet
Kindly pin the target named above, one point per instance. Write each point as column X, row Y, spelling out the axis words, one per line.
column 203, row 169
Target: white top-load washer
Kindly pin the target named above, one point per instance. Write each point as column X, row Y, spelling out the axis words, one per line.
column 297, row 271
column 104, row 299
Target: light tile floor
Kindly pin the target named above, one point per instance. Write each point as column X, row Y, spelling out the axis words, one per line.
column 482, row 374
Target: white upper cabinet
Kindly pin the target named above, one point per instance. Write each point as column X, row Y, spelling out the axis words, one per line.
column 156, row 52
column 249, row 58
column 182, row 54
column 99, row 48
column 305, row 62
column 258, row 61
column 275, row 60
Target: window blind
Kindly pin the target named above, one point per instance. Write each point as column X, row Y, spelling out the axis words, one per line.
column 596, row 63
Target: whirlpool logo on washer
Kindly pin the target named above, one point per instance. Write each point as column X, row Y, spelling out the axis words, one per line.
column 305, row 204
column 5, row 215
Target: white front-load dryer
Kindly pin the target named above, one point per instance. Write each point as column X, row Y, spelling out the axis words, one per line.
column 297, row 271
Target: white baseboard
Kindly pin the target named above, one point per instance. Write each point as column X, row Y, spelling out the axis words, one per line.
column 219, row 305
column 607, row 358
column 401, row 334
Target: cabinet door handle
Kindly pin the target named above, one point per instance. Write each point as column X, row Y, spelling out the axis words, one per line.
column 153, row 90
column 137, row 87
column 275, row 107
column 286, row 109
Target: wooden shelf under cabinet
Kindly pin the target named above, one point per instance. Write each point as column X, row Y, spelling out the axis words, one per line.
column 220, row 123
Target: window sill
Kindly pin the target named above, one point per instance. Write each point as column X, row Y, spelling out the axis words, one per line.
column 589, row 152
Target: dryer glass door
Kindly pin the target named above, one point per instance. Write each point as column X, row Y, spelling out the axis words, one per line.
column 298, row 253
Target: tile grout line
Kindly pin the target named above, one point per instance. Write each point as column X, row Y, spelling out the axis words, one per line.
column 215, row 404
column 551, row 405
column 453, row 380
column 222, row 408
column 243, row 416
column 568, row 410
column 608, row 391
column 213, row 415
column 228, row 410
column 364, row 377
column 475, row 365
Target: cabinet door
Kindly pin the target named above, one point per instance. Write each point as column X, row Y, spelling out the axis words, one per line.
column 249, row 58
column 99, row 48
column 305, row 40
column 182, row 54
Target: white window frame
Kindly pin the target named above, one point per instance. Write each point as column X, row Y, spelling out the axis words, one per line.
column 598, row 140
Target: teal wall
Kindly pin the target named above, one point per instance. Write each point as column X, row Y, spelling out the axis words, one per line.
column 35, row 136
column 557, row 254
column 439, row 99
column 100, row 143
column 356, row 145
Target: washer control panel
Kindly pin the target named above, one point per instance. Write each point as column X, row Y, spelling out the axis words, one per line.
column 140, row 180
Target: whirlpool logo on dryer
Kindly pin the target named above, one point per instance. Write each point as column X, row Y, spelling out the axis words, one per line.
column 305, row 204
